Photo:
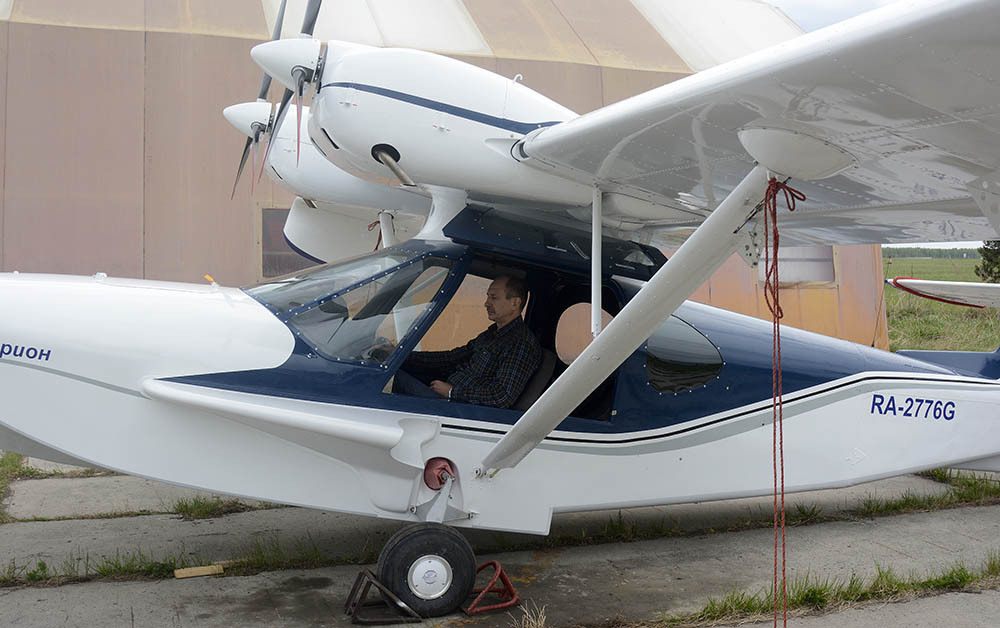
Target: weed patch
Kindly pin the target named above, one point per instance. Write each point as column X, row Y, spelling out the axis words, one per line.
column 269, row 554
column 199, row 507
column 808, row 594
column 39, row 573
column 965, row 489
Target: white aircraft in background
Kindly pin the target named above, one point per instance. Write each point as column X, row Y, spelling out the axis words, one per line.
column 889, row 123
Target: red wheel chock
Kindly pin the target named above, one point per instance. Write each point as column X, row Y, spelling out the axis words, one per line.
column 506, row 592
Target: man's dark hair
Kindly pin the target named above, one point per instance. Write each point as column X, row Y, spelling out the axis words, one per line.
column 516, row 288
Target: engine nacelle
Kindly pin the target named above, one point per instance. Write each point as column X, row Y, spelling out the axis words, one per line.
column 451, row 124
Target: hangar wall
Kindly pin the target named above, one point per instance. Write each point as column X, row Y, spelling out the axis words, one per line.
column 115, row 156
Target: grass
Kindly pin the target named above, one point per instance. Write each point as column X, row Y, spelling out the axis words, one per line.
column 918, row 323
column 12, row 467
column 531, row 617
column 807, row 594
column 132, row 565
column 965, row 489
column 269, row 554
column 80, row 568
column 262, row 554
column 199, row 507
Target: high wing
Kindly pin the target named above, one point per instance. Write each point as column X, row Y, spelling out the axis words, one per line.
column 954, row 292
column 910, row 93
column 889, row 123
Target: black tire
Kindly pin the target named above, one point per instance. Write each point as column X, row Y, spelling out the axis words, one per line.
column 433, row 548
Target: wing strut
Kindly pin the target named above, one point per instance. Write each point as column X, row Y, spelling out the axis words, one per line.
column 707, row 248
column 595, row 264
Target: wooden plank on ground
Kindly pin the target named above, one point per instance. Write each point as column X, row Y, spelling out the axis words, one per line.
column 194, row 572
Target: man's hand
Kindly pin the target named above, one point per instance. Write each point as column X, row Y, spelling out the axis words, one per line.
column 441, row 388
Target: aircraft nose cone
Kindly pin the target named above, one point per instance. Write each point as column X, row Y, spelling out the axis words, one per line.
column 244, row 115
column 279, row 58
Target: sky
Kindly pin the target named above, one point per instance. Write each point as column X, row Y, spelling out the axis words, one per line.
column 815, row 14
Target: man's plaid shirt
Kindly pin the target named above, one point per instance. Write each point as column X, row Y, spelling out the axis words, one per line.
column 491, row 370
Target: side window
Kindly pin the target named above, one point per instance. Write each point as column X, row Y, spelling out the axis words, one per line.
column 679, row 357
column 573, row 331
column 463, row 318
column 374, row 315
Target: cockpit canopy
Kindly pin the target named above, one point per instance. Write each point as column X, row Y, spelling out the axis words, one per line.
column 351, row 309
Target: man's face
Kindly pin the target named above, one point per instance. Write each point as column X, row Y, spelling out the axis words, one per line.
column 499, row 308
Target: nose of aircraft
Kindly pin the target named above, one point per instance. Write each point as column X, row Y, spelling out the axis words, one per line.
column 118, row 332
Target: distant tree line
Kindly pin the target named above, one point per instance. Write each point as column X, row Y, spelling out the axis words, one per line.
column 889, row 252
column 988, row 268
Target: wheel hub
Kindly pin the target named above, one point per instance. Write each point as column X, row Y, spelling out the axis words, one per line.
column 429, row 577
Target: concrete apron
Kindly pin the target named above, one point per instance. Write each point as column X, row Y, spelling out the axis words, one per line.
column 575, row 585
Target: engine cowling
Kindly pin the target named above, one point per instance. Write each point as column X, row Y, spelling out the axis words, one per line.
column 446, row 122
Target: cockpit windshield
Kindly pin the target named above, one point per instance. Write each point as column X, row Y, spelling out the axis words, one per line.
column 291, row 291
column 365, row 322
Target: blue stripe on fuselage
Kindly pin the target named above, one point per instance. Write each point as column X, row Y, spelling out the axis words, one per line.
column 501, row 123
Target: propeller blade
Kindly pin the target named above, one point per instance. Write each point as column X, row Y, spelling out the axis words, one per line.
column 253, row 164
column 312, row 12
column 266, row 83
column 278, row 119
column 308, row 25
column 276, row 33
column 298, row 116
column 243, row 162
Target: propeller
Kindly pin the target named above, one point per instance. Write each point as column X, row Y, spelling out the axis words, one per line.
column 257, row 130
column 252, row 119
column 284, row 61
column 273, row 124
column 302, row 75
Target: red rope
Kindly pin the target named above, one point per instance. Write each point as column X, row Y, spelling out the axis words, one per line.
column 771, row 293
column 371, row 227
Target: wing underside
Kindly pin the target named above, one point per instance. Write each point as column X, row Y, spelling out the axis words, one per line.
column 910, row 92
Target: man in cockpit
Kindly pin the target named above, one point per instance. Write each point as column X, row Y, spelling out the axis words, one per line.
column 493, row 368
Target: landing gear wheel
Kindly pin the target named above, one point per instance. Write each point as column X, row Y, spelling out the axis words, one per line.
column 429, row 566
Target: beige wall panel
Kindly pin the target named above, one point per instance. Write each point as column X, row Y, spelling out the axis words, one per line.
column 619, row 84
column 4, row 28
column 732, row 287
column 572, row 85
column 192, row 227
column 859, row 271
column 527, row 29
column 73, row 193
column 127, row 14
column 617, row 35
column 848, row 309
column 232, row 18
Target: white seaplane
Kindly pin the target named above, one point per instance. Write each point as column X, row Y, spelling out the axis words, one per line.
column 889, row 123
